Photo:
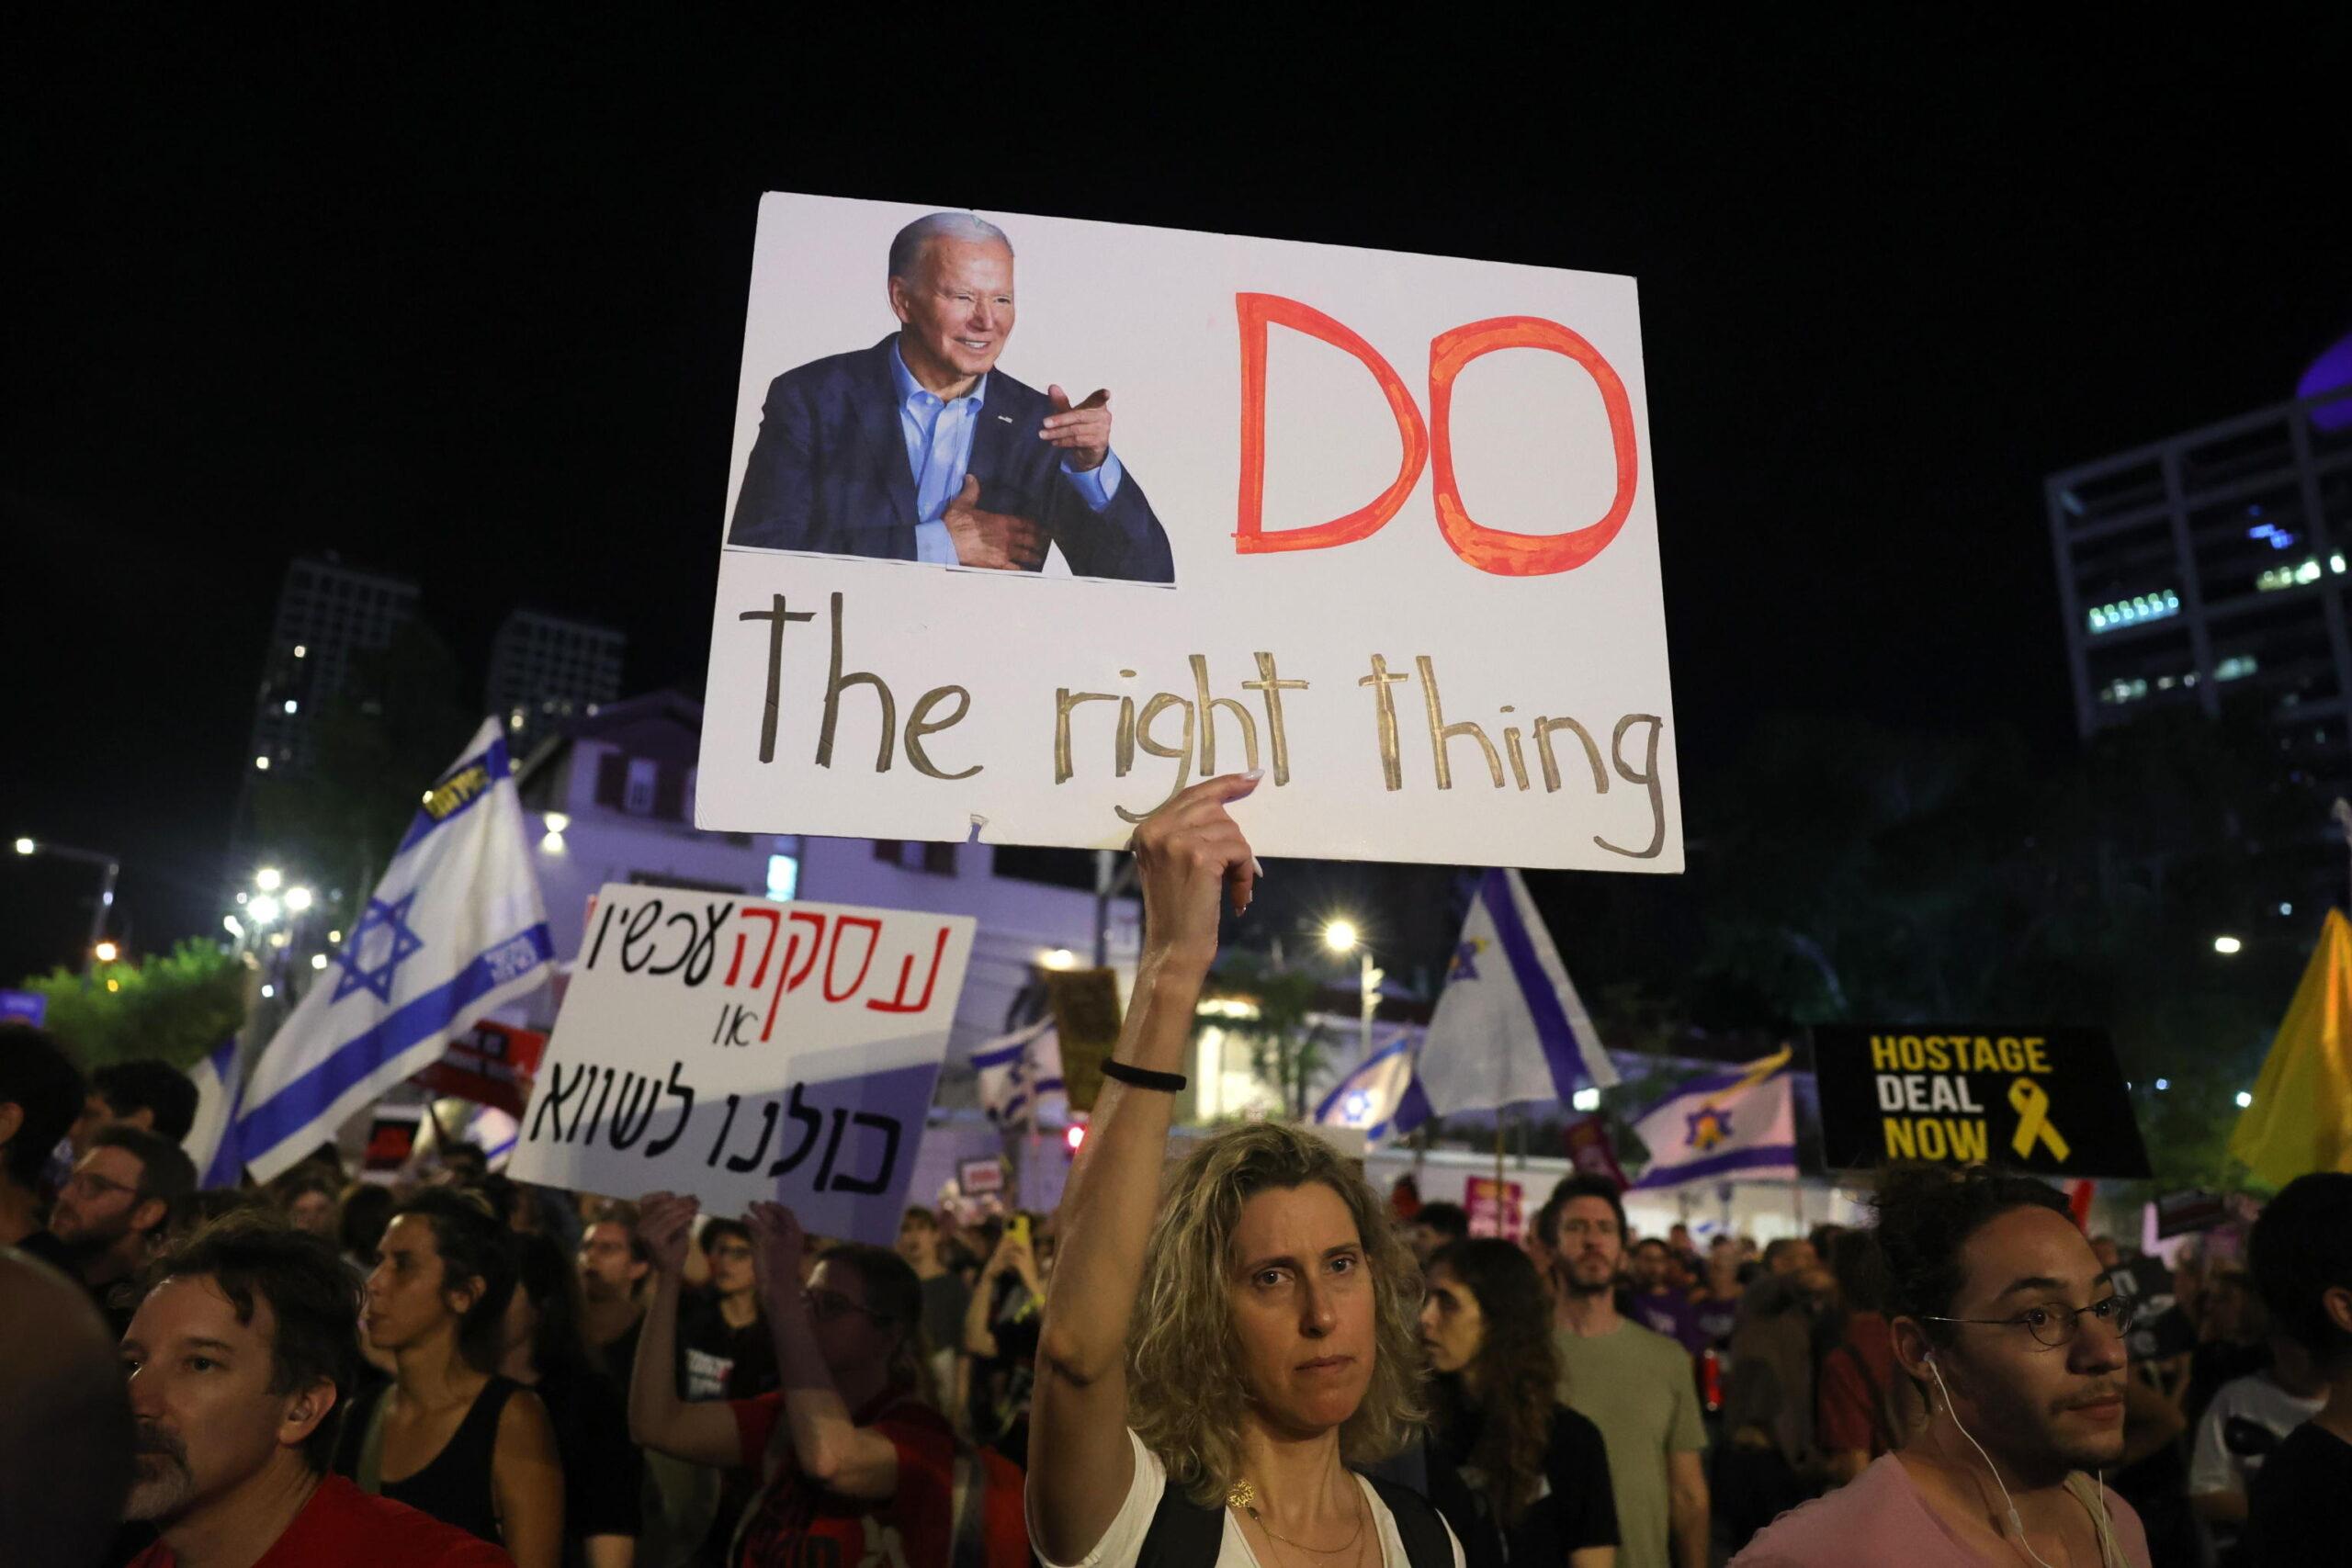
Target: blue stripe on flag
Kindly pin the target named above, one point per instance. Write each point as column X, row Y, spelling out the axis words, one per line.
column 495, row 760
column 307, row 1098
column 1413, row 1108
column 1784, row 1155
column 1552, row 1029
column 228, row 1163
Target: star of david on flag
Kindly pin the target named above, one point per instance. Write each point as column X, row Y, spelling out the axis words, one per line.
column 455, row 930
column 389, row 921
column 1741, row 1121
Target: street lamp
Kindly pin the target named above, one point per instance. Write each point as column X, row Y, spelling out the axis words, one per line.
column 2227, row 944
column 263, row 909
column 298, row 900
column 1342, row 936
column 268, row 879
column 106, row 952
column 113, row 869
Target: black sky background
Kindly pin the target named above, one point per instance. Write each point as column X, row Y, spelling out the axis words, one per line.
column 465, row 301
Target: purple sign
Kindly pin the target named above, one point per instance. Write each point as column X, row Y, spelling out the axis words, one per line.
column 23, row 1006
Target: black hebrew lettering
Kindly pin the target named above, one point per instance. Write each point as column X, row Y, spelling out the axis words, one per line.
column 660, row 1146
column 640, row 926
column 845, row 1182
column 587, row 1089
column 598, row 1119
column 635, row 1092
column 832, row 1147
column 810, row 1118
column 767, row 1131
column 552, row 1101
column 719, row 1143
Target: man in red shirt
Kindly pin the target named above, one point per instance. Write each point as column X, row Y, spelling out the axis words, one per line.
column 234, row 1361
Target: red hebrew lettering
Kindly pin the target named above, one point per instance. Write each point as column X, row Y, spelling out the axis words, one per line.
column 905, row 971
column 1256, row 310
column 1495, row 549
column 774, row 917
column 833, row 958
column 786, row 981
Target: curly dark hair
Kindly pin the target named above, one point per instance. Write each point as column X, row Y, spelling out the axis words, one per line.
column 39, row 1077
column 254, row 1255
column 1926, row 1214
column 473, row 1244
column 1516, row 1369
column 2301, row 1248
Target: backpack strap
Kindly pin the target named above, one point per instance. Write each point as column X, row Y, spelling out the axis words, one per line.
column 1427, row 1544
column 1183, row 1534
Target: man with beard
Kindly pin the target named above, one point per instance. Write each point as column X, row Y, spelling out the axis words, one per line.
column 236, row 1361
column 114, row 1210
column 1632, row 1382
column 1997, row 1303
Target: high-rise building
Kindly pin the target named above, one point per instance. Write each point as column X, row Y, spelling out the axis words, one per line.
column 328, row 617
column 2208, row 570
column 545, row 670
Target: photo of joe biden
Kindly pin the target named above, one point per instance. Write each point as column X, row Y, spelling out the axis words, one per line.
column 920, row 448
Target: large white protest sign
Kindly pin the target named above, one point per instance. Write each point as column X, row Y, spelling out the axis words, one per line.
column 739, row 1050
column 1383, row 525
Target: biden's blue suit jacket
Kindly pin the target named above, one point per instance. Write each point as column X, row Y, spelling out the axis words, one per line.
column 828, row 472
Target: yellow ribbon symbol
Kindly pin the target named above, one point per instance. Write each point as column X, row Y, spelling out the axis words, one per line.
column 2032, row 1103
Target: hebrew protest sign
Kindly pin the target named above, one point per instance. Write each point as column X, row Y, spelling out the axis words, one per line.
column 1381, row 525
column 740, row 1050
column 491, row 1064
column 2048, row 1101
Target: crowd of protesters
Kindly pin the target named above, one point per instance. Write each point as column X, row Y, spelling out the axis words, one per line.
column 1247, row 1356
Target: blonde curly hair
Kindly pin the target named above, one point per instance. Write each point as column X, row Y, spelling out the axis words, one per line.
column 1185, row 1395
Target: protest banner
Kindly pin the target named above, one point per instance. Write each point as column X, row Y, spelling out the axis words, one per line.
column 933, row 616
column 740, row 1050
column 975, row 1176
column 491, row 1064
column 1494, row 1207
column 2047, row 1101
column 1085, row 1004
column 393, row 1134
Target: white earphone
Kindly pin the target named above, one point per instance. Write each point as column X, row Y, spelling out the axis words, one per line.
column 2024, row 1545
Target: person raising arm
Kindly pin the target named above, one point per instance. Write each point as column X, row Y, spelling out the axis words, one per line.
column 1235, row 1341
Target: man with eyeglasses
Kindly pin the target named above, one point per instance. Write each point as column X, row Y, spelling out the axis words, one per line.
column 2007, row 1321
column 1634, row 1383
column 112, row 1214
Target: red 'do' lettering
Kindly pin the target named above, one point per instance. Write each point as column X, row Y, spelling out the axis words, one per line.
column 1251, row 537
column 1495, row 549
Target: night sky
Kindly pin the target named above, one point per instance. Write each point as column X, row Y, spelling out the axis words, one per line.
column 466, row 303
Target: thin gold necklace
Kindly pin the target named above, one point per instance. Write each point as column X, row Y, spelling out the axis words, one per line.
column 1244, row 1497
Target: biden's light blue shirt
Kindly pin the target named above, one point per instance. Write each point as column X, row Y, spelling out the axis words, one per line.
column 939, row 450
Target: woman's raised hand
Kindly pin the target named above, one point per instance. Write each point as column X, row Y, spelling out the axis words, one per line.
column 1190, row 856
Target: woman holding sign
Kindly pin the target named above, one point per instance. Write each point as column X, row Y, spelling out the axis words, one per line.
column 1211, row 1360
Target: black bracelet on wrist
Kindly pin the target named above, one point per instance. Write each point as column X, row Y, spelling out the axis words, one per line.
column 1143, row 1077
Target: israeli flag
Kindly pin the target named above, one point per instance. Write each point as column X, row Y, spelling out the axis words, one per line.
column 1019, row 1070
column 455, row 929
column 1380, row 1098
column 1742, row 1122
column 1508, row 1027
column 211, row 1145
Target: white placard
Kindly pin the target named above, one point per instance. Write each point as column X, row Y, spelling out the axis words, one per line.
column 739, row 1049
column 1468, row 665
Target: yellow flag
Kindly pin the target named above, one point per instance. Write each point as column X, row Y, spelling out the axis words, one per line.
column 2302, row 1117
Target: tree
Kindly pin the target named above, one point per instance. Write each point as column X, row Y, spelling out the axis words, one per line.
column 1283, row 1029
column 174, row 1007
